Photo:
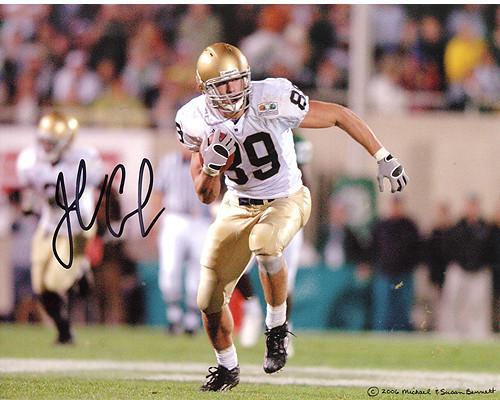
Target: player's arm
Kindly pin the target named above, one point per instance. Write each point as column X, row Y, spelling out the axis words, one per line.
column 207, row 187
column 209, row 163
column 326, row 115
column 25, row 163
column 28, row 201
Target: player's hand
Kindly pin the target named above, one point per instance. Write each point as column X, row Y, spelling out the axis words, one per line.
column 216, row 152
column 390, row 168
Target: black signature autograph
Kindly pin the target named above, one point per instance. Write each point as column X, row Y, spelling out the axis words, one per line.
column 81, row 180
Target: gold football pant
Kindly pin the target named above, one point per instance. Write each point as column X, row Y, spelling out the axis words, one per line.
column 46, row 272
column 239, row 231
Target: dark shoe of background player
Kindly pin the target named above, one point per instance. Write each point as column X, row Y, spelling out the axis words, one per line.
column 65, row 336
column 221, row 379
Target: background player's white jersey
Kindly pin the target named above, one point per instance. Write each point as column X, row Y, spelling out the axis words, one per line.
column 36, row 173
column 173, row 180
column 265, row 164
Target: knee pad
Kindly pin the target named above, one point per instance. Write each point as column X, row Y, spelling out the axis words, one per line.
column 210, row 297
column 270, row 264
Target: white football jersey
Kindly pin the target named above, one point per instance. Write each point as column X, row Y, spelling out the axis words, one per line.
column 265, row 164
column 173, row 181
column 40, row 175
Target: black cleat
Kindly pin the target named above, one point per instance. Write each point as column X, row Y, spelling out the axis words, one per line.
column 276, row 344
column 64, row 333
column 221, row 379
column 174, row 329
column 190, row 332
column 65, row 338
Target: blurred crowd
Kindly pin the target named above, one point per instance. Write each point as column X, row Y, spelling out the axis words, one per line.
column 133, row 65
column 444, row 279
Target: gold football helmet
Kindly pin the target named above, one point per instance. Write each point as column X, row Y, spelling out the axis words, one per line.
column 217, row 65
column 55, row 133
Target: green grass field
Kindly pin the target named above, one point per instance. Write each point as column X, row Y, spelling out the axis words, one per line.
column 325, row 366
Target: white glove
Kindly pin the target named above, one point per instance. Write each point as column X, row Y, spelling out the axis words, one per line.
column 216, row 153
column 390, row 168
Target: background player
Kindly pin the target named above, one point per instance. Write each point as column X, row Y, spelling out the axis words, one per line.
column 266, row 203
column 183, row 232
column 38, row 167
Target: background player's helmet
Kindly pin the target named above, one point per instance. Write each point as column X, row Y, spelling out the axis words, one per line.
column 55, row 133
column 218, row 64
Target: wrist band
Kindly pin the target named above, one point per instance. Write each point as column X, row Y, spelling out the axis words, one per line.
column 381, row 154
column 209, row 171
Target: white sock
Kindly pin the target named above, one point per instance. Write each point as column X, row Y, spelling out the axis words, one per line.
column 174, row 313
column 275, row 316
column 227, row 357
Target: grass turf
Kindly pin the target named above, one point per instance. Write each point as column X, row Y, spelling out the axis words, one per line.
column 312, row 349
column 148, row 344
column 69, row 388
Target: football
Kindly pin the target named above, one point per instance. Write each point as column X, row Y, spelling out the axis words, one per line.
column 230, row 160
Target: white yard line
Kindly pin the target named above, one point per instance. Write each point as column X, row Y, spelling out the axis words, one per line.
column 313, row 376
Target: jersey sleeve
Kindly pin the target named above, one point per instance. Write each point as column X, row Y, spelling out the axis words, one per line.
column 187, row 130
column 24, row 166
column 293, row 103
column 161, row 179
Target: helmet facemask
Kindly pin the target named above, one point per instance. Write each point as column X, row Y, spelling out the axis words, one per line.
column 230, row 103
column 52, row 148
column 55, row 134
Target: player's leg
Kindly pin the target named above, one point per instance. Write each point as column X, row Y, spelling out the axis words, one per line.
column 197, row 236
column 56, row 281
column 111, row 284
column 448, row 321
column 56, row 306
column 171, row 249
column 83, row 284
column 275, row 229
column 219, row 327
column 251, row 326
column 191, row 320
column 292, row 256
column 477, row 309
column 273, row 274
column 52, row 303
column 213, row 299
column 224, row 258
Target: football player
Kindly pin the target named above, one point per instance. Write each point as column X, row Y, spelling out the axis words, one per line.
column 266, row 204
column 38, row 168
column 183, row 230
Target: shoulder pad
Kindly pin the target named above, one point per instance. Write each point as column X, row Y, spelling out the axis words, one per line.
column 190, row 125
